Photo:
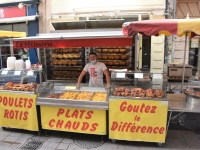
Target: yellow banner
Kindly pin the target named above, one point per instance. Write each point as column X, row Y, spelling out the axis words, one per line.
column 138, row 120
column 79, row 120
column 18, row 111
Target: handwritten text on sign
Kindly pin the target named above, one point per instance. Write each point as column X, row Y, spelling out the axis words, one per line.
column 140, row 120
column 18, row 111
column 74, row 119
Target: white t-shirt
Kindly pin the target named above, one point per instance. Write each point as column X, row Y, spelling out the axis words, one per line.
column 96, row 73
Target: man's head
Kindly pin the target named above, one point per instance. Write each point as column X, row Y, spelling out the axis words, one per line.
column 92, row 56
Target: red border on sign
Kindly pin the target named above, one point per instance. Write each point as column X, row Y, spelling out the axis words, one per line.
column 73, row 43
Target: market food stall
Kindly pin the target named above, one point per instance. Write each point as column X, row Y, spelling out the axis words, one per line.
column 180, row 27
column 17, row 101
column 63, row 56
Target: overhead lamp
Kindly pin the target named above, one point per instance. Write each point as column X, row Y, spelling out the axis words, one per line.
column 21, row 5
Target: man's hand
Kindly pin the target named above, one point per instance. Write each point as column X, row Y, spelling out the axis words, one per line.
column 78, row 86
column 107, row 86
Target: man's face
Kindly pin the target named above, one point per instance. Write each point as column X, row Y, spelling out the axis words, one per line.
column 93, row 57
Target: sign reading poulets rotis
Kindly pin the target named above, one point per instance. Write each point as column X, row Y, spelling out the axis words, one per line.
column 138, row 120
column 79, row 120
column 18, row 111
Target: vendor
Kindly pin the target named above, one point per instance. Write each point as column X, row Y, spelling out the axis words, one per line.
column 96, row 70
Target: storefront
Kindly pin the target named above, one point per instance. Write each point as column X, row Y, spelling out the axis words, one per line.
column 21, row 17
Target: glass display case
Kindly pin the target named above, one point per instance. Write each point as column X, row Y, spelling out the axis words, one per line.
column 132, row 84
column 23, row 81
column 66, row 94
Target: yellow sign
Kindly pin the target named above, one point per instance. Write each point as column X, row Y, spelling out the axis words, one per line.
column 18, row 111
column 74, row 119
column 137, row 120
column 194, row 43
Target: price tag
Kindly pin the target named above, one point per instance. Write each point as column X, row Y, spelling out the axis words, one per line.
column 157, row 76
column 29, row 73
column 120, row 75
column 4, row 72
column 138, row 75
column 17, row 72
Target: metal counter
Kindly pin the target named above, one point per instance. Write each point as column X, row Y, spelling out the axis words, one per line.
column 47, row 89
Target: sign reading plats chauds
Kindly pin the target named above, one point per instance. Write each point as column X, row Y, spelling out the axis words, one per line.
column 74, row 119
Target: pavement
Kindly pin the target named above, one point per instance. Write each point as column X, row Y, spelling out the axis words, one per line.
column 178, row 137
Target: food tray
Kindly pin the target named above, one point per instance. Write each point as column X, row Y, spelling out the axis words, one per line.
column 83, row 96
column 103, row 97
column 69, row 95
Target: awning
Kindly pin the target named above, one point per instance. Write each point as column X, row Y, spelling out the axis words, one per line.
column 12, row 34
column 19, row 19
column 74, row 39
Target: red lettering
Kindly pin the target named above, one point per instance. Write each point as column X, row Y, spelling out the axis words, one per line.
column 68, row 125
column 75, row 125
column 6, row 113
column 127, row 128
column 161, row 130
column 142, row 107
column 143, row 129
column 16, row 112
column 0, row 99
column 20, row 102
column 153, row 110
column 25, row 102
column 16, row 99
column 130, row 107
column 114, row 126
column 122, row 107
column 147, row 109
column 60, row 112
column 11, row 101
column 5, row 101
column 11, row 114
column 155, row 130
column 94, row 127
column 59, row 124
column 138, row 128
column 89, row 114
column 20, row 117
column 81, row 115
column 30, row 103
column 75, row 114
column 51, row 123
column 133, row 128
column 67, row 113
column 25, row 115
column 85, row 126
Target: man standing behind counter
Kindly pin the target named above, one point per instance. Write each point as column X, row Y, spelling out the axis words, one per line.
column 96, row 70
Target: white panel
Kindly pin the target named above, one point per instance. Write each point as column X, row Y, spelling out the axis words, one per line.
column 157, row 54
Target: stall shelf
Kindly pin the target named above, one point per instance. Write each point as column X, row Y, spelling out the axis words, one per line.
column 67, row 112
column 18, row 92
column 136, row 106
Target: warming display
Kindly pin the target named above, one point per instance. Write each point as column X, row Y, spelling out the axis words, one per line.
column 19, row 87
column 73, row 95
column 66, row 63
column 114, row 57
column 138, row 92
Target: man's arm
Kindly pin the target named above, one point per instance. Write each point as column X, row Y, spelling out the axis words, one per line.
column 81, row 77
column 107, row 78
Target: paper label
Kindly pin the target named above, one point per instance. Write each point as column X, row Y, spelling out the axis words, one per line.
column 30, row 73
column 17, row 72
column 139, row 75
column 4, row 72
column 120, row 75
column 157, row 76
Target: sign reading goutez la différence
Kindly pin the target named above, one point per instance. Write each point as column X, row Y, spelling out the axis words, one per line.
column 138, row 120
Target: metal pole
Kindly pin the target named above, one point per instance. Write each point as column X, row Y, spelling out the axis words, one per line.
column 184, row 61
